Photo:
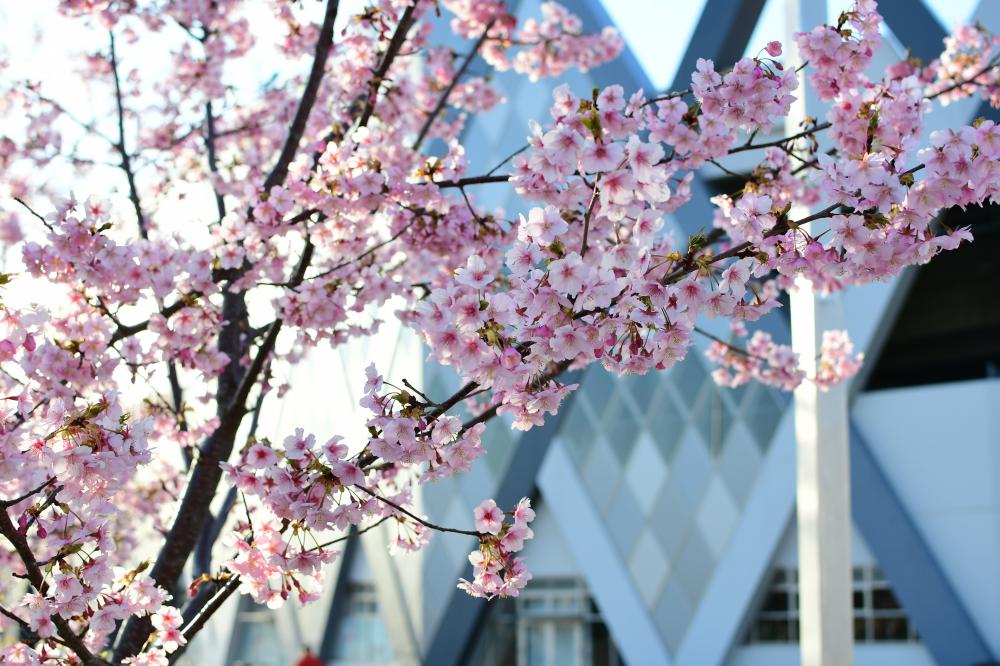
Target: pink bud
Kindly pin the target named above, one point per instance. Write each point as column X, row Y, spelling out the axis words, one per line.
column 774, row 49
column 29, row 343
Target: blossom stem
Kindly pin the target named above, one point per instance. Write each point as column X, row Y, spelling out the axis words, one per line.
column 425, row 523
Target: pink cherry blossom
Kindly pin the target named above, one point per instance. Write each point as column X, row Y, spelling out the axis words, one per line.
column 488, row 517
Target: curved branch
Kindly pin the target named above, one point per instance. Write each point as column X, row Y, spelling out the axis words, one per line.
column 128, row 330
column 425, row 523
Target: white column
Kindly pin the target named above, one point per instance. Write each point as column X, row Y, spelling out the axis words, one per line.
column 822, row 494
column 821, row 432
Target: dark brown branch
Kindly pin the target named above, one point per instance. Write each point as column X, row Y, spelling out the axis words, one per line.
column 406, row 22
column 129, row 330
column 213, row 163
column 780, row 142
column 425, row 523
column 206, row 613
column 34, row 491
column 588, row 215
column 298, row 126
column 126, row 159
column 443, row 100
column 474, row 180
column 25, row 628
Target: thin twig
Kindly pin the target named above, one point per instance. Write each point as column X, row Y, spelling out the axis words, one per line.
column 443, row 100
column 351, row 535
column 780, row 142
column 364, row 254
column 34, row 491
column 508, row 159
column 425, row 523
column 34, row 213
column 990, row 65
column 126, row 159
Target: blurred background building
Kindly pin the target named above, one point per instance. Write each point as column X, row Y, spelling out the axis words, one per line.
column 666, row 505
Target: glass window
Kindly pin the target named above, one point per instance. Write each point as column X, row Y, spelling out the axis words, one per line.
column 878, row 615
column 553, row 623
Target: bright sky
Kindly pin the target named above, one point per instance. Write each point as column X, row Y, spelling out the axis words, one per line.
column 657, row 29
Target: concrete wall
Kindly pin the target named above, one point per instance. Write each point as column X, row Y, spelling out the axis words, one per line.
column 940, row 447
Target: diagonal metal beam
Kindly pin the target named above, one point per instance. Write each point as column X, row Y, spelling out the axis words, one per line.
column 721, row 35
column 901, row 551
column 586, row 533
column 914, row 26
column 339, row 602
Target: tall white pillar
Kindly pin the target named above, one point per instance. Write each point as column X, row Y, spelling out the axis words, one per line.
column 821, row 431
column 822, row 494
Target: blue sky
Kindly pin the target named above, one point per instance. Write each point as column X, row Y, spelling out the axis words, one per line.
column 657, row 29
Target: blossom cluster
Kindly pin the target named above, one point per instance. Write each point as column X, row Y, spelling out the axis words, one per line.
column 305, row 490
column 496, row 571
column 775, row 364
column 547, row 46
column 966, row 66
column 65, row 474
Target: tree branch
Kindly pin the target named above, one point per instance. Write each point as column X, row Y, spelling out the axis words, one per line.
column 406, row 22
column 37, row 580
column 473, row 180
column 298, row 126
column 213, row 163
column 443, row 100
column 126, row 159
column 425, row 523
column 5, row 504
column 779, row 142
column 129, row 330
column 234, row 384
